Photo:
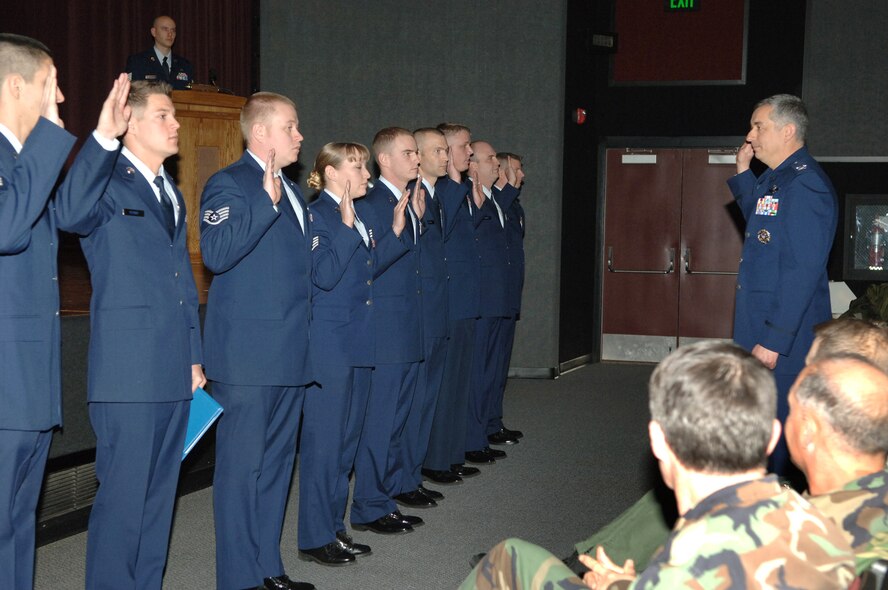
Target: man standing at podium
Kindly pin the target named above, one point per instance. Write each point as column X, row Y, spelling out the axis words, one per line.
column 159, row 63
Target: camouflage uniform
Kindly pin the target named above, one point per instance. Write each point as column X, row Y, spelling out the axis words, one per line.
column 754, row 534
column 861, row 510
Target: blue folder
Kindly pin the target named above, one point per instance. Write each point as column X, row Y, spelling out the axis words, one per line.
column 204, row 411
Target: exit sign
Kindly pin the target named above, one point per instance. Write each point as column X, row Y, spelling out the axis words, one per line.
column 681, row 5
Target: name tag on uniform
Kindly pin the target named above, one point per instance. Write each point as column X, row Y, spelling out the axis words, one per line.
column 767, row 205
column 134, row 212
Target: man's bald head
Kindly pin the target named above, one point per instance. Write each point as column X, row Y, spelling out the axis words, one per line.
column 851, row 394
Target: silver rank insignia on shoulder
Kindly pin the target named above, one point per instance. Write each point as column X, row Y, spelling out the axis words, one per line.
column 799, row 167
column 216, row 217
column 764, row 236
column 130, row 170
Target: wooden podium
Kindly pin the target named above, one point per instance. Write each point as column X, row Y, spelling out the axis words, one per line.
column 209, row 139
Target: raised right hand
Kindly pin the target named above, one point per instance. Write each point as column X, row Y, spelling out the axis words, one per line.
column 270, row 182
column 49, row 104
column 347, row 207
column 744, row 157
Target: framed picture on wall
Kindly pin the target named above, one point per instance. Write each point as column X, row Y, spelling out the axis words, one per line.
column 680, row 42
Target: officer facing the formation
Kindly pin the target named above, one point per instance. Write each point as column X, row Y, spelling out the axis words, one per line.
column 159, row 63
column 791, row 212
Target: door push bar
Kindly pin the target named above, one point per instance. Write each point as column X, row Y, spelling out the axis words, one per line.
column 669, row 269
column 687, row 259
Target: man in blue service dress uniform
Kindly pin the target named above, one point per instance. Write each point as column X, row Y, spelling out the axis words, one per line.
column 444, row 462
column 159, row 63
column 33, row 149
column 790, row 211
column 255, row 239
column 397, row 314
column 490, row 335
column 145, row 347
column 433, row 159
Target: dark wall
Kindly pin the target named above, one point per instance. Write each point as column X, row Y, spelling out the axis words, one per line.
column 498, row 67
column 776, row 33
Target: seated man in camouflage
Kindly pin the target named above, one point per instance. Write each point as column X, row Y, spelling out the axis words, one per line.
column 837, row 432
column 713, row 409
column 641, row 529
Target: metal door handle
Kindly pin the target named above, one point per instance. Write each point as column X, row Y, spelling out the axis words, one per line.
column 669, row 269
column 687, row 259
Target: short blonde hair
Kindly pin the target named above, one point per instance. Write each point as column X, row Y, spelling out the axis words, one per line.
column 259, row 108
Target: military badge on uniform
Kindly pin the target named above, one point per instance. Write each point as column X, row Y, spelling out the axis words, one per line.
column 310, row 218
column 767, row 205
column 130, row 170
column 315, row 242
column 764, row 236
column 799, row 167
column 182, row 76
column 216, row 217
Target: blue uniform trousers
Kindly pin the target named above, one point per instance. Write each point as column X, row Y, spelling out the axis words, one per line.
column 138, row 453
column 448, row 437
column 495, row 410
column 379, row 460
column 22, row 459
column 422, row 413
column 486, row 361
column 255, row 452
column 779, row 461
column 334, row 416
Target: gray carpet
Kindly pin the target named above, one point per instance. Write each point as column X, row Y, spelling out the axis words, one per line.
column 583, row 460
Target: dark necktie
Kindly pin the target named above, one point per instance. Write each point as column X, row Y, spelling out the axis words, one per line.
column 166, row 206
column 166, row 67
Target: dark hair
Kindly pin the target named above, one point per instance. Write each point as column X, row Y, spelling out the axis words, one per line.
column 384, row 138
column 504, row 156
column 140, row 90
column 21, row 55
column 787, row 108
column 859, row 416
column 449, row 129
column 716, row 404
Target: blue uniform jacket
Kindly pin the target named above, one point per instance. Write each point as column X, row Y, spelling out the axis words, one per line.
column 490, row 240
column 144, row 326
column 30, row 378
column 397, row 291
column 782, row 286
column 432, row 269
column 145, row 66
column 515, row 244
column 258, row 308
column 460, row 254
column 344, row 272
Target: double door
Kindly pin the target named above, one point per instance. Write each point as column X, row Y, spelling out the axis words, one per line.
column 672, row 243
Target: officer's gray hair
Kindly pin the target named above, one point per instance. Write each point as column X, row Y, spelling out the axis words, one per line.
column 859, row 416
column 787, row 108
column 21, row 55
column 716, row 404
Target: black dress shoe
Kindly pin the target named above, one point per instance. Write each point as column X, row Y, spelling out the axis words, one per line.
column 390, row 524
column 513, row 433
column 347, row 543
column 441, row 477
column 330, row 554
column 464, row 470
column 496, row 453
column 430, row 493
column 481, row 457
column 415, row 499
column 407, row 518
column 501, row 437
column 284, row 583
